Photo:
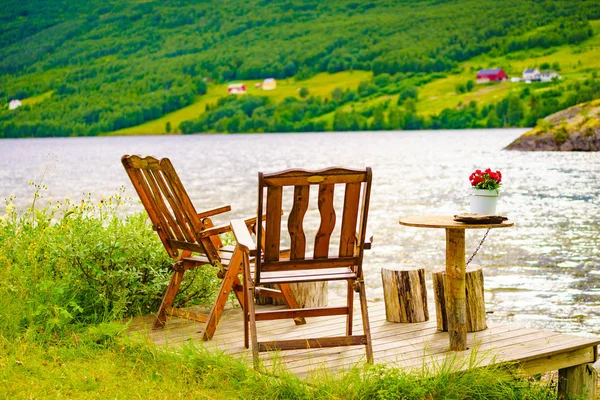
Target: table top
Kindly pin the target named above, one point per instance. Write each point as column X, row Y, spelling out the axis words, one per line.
column 447, row 221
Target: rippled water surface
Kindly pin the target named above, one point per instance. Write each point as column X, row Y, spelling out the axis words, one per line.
column 543, row 273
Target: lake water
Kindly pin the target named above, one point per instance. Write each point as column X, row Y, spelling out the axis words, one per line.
column 543, row 273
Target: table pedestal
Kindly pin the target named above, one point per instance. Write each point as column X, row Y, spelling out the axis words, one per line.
column 456, row 299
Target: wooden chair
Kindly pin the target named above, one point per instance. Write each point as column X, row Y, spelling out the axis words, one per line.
column 270, row 267
column 189, row 237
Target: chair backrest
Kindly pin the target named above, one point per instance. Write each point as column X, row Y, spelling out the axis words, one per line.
column 171, row 211
column 356, row 188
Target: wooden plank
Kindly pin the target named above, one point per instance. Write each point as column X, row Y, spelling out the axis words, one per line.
column 183, row 313
column 327, row 211
column 563, row 359
column 273, row 224
column 312, row 343
column 326, row 177
column 177, row 208
column 349, row 219
column 408, row 345
column 578, row 382
column 295, row 222
column 309, row 263
column 301, row 312
column 180, row 193
column 168, row 220
column 447, row 221
column 308, row 278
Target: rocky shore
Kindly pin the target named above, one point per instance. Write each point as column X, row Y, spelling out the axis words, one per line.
column 575, row 129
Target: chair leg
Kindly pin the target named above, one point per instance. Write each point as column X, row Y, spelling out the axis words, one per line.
column 223, row 296
column 251, row 312
column 290, row 300
column 365, row 320
column 167, row 302
column 350, row 302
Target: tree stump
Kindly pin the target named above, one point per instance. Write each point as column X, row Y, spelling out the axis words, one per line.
column 405, row 294
column 475, row 301
column 310, row 294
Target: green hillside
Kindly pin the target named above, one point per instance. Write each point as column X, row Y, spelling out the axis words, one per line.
column 105, row 66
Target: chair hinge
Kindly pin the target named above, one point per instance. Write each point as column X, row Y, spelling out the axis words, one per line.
column 178, row 266
column 217, row 264
column 357, row 284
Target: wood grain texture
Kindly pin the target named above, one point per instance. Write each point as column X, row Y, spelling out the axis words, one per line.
column 578, row 382
column 405, row 294
column 327, row 211
column 474, row 298
column 272, row 266
column 296, row 221
column 349, row 219
column 447, row 221
column 408, row 346
column 455, row 288
column 273, row 224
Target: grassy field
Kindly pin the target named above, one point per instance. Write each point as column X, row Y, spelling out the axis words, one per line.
column 37, row 99
column 320, row 85
column 576, row 63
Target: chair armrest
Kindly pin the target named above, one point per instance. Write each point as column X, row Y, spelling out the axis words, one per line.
column 219, row 229
column 215, row 211
column 214, row 230
column 242, row 236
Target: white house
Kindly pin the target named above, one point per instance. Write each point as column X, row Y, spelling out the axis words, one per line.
column 14, row 104
column 269, row 84
column 236, row 88
column 531, row 74
column 549, row 76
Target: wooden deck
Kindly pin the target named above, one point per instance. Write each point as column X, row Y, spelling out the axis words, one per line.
column 409, row 346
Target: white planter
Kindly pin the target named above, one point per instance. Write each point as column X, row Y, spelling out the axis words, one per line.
column 484, row 201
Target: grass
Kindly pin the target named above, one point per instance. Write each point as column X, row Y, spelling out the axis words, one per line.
column 37, row 99
column 101, row 362
column 319, row 85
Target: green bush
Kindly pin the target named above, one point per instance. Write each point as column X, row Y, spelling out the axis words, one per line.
column 90, row 262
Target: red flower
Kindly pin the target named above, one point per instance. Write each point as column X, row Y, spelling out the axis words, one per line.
column 486, row 179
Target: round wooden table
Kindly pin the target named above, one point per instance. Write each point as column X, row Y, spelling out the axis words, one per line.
column 455, row 269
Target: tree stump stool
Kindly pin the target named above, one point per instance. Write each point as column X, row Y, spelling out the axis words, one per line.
column 475, row 301
column 311, row 294
column 405, row 294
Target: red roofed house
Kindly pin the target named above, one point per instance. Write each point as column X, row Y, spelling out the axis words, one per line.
column 236, row 88
column 491, row 75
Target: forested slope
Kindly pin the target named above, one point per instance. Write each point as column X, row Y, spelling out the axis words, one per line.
column 104, row 65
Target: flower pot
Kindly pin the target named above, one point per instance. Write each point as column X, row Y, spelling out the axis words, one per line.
column 484, row 201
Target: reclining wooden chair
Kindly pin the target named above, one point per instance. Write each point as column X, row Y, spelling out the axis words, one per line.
column 189, row 237
column 270, row 267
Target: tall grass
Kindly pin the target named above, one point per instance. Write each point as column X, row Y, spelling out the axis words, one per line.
column 70, row 275
column 65, row 264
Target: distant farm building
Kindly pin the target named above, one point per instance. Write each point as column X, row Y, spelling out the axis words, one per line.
column 269, row 84
column 549, row 76
column 236, row 88
column 491, row 75
column 531, row 74
column 14, row 104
